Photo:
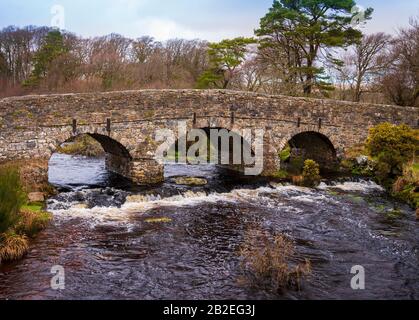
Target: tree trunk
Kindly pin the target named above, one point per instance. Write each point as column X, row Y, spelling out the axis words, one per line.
column 309, row 85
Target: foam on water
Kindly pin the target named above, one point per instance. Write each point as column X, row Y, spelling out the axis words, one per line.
column 141, row 203
column 361, row 186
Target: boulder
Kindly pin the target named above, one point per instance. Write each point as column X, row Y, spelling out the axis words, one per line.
column 36, row 197
column 362, row 160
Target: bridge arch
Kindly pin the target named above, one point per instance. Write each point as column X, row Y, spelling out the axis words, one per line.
column 117, row 157
column 313, row 145
column 224, row 151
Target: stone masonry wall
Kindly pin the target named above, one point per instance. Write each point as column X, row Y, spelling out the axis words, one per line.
column 32, row 127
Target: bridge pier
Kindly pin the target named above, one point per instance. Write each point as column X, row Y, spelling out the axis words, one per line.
column 271, row 161
column 139, row 171
column 146, row 171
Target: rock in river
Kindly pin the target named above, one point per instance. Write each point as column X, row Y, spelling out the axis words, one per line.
column 191, row 181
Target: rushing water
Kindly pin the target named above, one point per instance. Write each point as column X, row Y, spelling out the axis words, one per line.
column 110, row 249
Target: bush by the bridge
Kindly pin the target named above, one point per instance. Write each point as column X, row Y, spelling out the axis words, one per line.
column 395, row 149
column 311, row 173
column 392, row 147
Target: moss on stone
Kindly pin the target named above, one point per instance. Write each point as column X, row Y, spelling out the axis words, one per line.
column 83, row 145
column 158, row 220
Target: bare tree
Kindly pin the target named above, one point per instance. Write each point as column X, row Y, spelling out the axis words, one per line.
column 401, row 83
column 358, row 69
column 370, row 60
column 143, row 48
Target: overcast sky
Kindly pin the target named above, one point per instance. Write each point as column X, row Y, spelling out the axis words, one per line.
column 163, row 19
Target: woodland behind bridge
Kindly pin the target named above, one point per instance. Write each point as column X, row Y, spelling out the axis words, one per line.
column 301, row 48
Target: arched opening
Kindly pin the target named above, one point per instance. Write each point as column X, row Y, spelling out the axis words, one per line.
column 309, row 145
column 215, row 150
column 89, row 160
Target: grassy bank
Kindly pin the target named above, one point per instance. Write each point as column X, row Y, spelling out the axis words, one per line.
column 406, row 187
column 20, row 221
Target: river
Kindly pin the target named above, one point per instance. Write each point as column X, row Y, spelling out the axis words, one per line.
column 104, row 235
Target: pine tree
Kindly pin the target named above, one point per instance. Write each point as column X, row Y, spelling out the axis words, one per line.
column 225, row 58
column 52, row 47
column 302, row 28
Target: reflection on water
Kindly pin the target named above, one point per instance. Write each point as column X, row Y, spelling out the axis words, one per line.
column 103, row 237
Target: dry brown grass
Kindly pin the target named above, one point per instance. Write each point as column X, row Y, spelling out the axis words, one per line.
column 13, row 247
column 297, row 180
column 272, row 263
column 33, row 174
column 31, row 223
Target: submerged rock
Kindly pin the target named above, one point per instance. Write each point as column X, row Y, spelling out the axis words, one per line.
column 158, row 220
column 140, row 198
column 191, row 181
column 80, row 206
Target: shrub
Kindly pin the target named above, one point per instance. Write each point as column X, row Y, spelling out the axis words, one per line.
column 311, row 173
column 12, row 197
column 285, row 154
column 12, row 246
column 280, row 174
column 392, row 147
column 271, row 263
column 296, row 165
column 357, row 163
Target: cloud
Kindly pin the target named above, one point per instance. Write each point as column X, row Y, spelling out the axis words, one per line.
column 163, row 29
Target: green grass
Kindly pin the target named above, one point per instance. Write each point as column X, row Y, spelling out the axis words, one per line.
column 33, row 207
column 280, row 174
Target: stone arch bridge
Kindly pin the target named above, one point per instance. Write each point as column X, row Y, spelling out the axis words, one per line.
column 32, row 127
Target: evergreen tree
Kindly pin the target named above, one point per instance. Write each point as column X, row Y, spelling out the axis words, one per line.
column 53, row 47
column 302, row 28
column 224, row 58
